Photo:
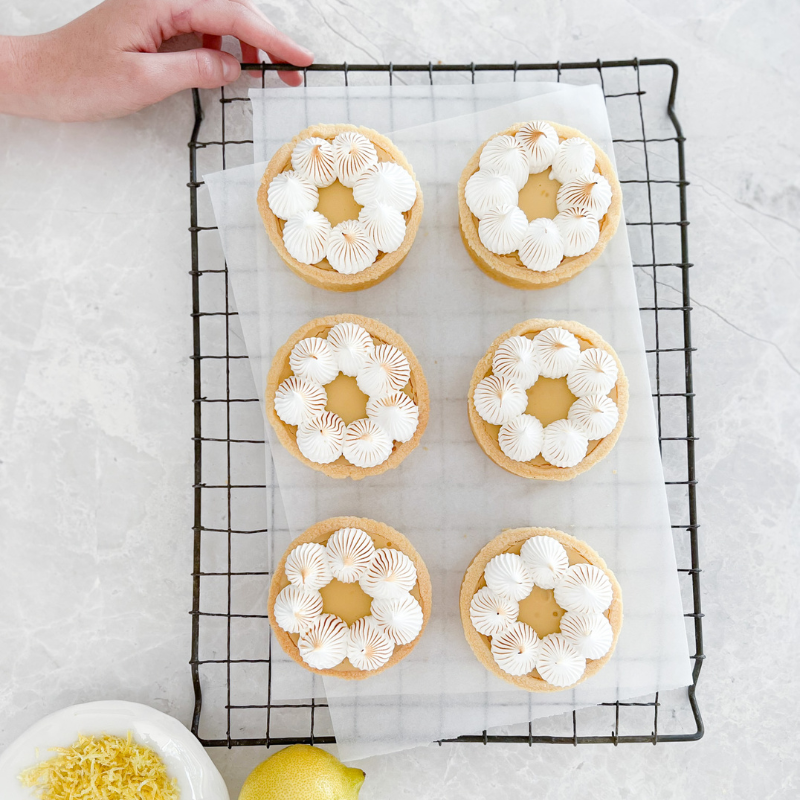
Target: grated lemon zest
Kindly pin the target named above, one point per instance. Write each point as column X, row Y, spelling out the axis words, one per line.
column 105, row 768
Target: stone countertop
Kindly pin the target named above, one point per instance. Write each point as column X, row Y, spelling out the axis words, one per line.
column 96, row 378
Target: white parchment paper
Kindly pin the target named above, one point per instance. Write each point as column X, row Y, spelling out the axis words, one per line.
column 447, row 496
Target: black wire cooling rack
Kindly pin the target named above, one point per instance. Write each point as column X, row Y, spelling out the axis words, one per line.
column 231, row 642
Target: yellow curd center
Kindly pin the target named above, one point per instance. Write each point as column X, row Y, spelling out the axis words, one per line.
column 537, row 198
column 336, row 202
column 346, row 399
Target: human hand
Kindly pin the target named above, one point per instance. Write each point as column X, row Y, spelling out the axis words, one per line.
column 106, row 63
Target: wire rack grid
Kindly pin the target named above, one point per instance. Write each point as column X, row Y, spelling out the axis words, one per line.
column 232, row 528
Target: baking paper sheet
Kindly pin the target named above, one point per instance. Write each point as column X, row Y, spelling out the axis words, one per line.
column 447, row 496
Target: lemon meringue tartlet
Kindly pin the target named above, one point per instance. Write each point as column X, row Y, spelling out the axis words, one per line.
column 341, row 205
column 537, row 204
column 548, row 400
column 350, row 598
column 347, row 396
column 540, row 609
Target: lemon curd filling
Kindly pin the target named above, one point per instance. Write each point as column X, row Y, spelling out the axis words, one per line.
column 336, row 202
column 537, row 198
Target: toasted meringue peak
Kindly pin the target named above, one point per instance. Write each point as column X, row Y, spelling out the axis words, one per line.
column 498, row 399
column 595, row 372
column 305, row 235
column 368, row 647
column 559, row 662
column 396, row 413
column 289, row 194
column 590, row 634
column 324, row 644
column 505, row 154
column 515, row 358
column 387, row 183
column 313, row 159
column 584, row 587
column 596, row 414
column 557, row 350
column 502, row 229
column 351, row 345
column 507, row 575
column 321, row 439
column 546, row 559
column 349, row 248
column 564, row 444
column 574, row 158
column 488, row 188
column 389, row 574
column 353, row 155
column 298, row 400
column 591, row 192
column 385, row 370
column 384, row 224
column 579, row 231
column 521, row 437
column 400, row 618
column 366, row 444
column 542, row 248
column 540, row 142
column 307, row 566
column 350, row 551
column 516, row 649
column 313, row 360
column 297, row 608
column 490, row 613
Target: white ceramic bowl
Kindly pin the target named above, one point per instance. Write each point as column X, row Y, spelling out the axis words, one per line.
column 183, row 756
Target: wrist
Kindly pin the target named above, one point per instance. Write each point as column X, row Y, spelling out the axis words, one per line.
column 20, row 75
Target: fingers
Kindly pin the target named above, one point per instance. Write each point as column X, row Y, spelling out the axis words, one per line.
column 162, row 74
column 222, row 17
column 289, row 77
column 212, row 42
column 250, row 54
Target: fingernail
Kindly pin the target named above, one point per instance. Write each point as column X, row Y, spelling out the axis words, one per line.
column 229, row 71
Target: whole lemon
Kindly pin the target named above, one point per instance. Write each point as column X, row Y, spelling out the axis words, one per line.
column 302, row 772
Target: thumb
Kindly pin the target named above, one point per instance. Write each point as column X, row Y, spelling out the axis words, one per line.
column 202, row 68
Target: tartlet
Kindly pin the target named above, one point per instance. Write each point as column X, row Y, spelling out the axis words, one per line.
column 539, row 204
column 549, row 400
column 344, row 398
column 542, row 611
column 350, row 602
column 337, row 204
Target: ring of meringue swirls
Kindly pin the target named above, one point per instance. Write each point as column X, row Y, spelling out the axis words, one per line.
column 583, row 591
column 384, row 189
column 492, row 196
column 518, row 362
column 314, row 607
column 500, row 602
column 340, row 369
column 381, row 371
column 349, row 556
column 543, row 408
column 538, row 202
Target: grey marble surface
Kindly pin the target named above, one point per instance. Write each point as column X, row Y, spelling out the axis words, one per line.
column 95, row 378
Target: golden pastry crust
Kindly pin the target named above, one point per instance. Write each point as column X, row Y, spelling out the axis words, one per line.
column 287, row 434
column 387, row 263
column 481, row 645
column 518, row 275
column 320, row 533
column 546, row 472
